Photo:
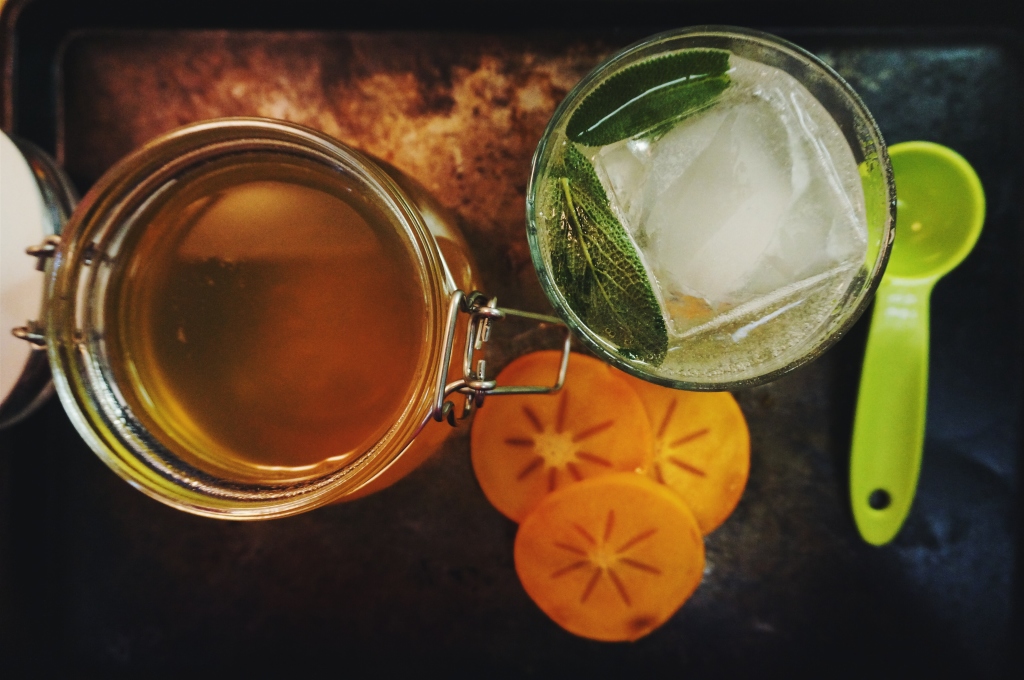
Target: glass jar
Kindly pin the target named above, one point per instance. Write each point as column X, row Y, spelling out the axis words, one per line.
column 120, row 335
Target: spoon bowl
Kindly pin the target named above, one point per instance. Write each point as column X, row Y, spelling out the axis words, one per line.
column 940, row 209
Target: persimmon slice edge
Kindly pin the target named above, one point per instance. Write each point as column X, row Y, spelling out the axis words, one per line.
column 610, row 558
column 526, row 446
column 701, row 448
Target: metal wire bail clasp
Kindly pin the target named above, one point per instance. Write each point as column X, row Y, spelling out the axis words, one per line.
column 33, row 332
column 474, row 383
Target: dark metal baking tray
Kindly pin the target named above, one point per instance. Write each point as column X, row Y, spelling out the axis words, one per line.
column 95, row 578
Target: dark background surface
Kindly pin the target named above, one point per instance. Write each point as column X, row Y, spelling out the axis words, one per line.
column 95, row 578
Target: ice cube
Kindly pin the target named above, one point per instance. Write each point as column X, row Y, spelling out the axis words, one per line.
column 710, row 228
column 766, row 308
column 623, row 172
column 824, row 223
column 670, row 156
column 756, row 193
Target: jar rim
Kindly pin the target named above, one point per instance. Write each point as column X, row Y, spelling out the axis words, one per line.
column 88, row 389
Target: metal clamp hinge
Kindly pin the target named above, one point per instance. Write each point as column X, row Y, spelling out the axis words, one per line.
column 44, row 251
column 31, row 333
column 474, row 383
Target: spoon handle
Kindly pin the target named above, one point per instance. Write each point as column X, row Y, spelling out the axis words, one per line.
column 888, row 430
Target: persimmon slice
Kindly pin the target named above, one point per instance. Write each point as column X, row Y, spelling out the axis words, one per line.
column 701, row 449
column 524, row 447
column 610, row 558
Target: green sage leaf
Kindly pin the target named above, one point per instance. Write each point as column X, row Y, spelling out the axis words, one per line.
column 650, row 95
column 596, row 265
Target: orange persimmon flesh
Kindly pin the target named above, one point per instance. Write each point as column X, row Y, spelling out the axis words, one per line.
column 610, row 558
column 525, row 447
column 701, row 449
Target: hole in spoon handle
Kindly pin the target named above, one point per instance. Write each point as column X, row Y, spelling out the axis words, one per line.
column 879, row 499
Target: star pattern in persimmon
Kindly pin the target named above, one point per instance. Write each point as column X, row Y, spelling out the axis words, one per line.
column 556, row 450
column 662, row 448
column 604, row 559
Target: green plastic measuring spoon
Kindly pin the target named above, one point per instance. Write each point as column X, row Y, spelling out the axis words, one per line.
column 940, row 208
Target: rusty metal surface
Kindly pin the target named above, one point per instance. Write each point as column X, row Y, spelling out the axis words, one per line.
column 460, row 112
column 420, row 576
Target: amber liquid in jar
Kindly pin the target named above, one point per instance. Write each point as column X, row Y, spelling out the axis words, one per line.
column 269, row 320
